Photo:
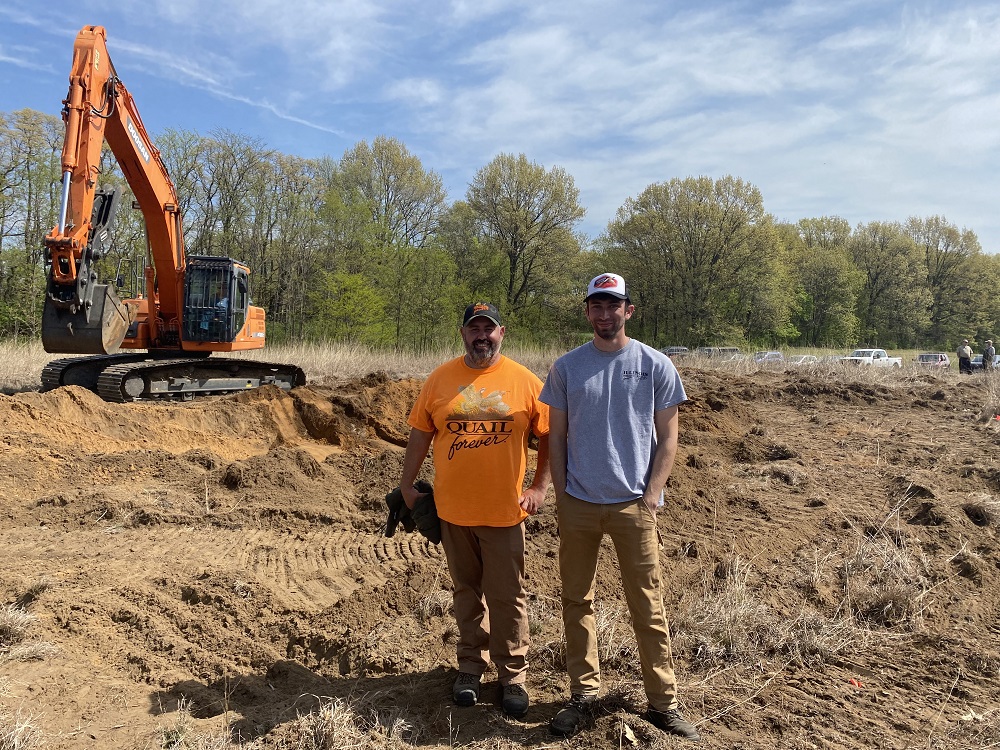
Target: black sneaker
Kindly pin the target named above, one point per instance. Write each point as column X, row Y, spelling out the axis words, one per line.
column 567, row 721
column 514, row 701
column 465, row 692
column 672, row 722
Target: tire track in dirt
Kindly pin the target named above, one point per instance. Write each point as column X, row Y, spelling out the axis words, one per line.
column 304, row 572
column 315, row 571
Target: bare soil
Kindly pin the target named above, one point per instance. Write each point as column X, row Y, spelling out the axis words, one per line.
column 829, row 545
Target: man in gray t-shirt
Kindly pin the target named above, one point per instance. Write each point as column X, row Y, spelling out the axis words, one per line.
column 612, row 441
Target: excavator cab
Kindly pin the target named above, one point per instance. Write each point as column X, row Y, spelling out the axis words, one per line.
column 216, row 296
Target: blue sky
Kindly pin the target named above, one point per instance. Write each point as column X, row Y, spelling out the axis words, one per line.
column 869, row 110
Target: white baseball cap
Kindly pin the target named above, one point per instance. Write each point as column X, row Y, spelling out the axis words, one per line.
column 607, row 283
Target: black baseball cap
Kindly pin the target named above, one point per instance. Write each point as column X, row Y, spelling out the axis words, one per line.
column 482, row 309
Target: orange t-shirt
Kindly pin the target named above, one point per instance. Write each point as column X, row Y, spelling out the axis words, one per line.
column 481, row 420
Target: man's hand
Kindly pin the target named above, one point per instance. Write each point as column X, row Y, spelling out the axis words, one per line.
column 651, row 502
column 532, row 500
column 410, row 496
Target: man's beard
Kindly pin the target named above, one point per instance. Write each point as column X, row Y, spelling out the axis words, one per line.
column 482, row 356
column 608, row 334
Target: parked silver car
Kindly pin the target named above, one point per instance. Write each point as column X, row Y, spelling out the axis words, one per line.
column 765, row 357
column 977, row 362
column 803, row 359
column 935, row 360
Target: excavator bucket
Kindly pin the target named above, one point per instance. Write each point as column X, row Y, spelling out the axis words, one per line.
column 66, row 332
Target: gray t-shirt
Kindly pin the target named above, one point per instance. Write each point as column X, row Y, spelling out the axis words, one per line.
column 609, row 399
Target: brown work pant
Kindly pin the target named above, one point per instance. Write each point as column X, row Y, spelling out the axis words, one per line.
column 487, row 570
column 632, row 528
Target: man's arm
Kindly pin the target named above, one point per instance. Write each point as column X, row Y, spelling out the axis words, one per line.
column 416, row 451
column 533, row 497
column 665, row 422
column 557, row 449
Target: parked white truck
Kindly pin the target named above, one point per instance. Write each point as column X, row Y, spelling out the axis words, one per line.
column 873, row 357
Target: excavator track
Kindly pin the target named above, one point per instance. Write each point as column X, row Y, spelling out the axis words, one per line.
column 186, row 378
column 82, row 371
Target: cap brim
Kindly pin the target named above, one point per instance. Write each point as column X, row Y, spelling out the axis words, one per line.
column 483, row 315
column 616, row 295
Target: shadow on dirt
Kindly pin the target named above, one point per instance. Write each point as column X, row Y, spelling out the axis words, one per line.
column 262, row 704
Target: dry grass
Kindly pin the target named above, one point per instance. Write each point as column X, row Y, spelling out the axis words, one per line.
column 14, row 625
column 973, row 730
column 21, row 362
column 436, row 604
column 34, row 591
column 616, row 645
column 347, row 361
column 31, row 651
column 885, row 578
column 182, row 735
column 339, row 725
column 18, row 731
column 730, row 625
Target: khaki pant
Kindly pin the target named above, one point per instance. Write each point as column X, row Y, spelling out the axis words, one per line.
column 632, row 528
column 487, row 570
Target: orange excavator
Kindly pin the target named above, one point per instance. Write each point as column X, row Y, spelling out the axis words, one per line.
column 192, row 306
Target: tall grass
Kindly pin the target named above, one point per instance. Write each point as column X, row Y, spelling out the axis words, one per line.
column 21, row 362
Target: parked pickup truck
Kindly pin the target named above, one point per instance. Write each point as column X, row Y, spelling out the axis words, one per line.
column 873, row 357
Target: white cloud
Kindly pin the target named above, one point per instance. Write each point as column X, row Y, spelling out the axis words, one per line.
column 863, row 108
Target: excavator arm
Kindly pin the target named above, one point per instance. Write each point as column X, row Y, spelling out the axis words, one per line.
column 82, row 316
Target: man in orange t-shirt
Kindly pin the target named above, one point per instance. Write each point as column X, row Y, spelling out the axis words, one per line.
column 479, row 411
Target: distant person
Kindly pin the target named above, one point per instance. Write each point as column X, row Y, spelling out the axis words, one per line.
column 964, row 357
column 479, row 411
column 613, row 415
column 989, row 354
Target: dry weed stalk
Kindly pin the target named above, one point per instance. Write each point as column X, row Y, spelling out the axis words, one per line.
column 884, row 581
column 182, row 735
column 616, row 644
column 18, row 731
column 31, row 651
column 14, row 624
column 435, row 604
column 335, row 725
column 34, row 591
column 729, row 624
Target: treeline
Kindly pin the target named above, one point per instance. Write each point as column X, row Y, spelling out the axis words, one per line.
column 369, row 248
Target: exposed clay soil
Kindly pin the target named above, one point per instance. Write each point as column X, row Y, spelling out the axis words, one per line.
column 229, row 553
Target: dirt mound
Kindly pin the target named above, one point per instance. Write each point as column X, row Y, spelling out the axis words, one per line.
column 830, row 548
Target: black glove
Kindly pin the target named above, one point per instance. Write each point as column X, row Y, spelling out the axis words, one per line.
column 424, row 514
column 398, row 513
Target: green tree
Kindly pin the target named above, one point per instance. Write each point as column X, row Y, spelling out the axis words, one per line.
column 481, row 266
column 405, row 203
column 955, row 290
column 893, row 303
column 527, row 213
column 30, row 195
column 345, row 307
column 702, row 257
column 826, row 280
